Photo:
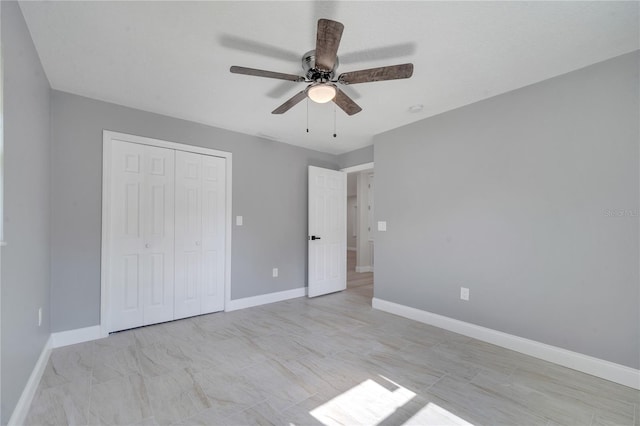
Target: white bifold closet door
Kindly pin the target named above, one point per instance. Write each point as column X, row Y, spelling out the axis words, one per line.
column 142, row 235
column 200, row 234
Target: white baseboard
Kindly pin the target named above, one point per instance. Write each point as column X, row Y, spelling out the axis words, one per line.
column 19, row 414
column 264, row 299
column 79, row 335
column 351, row 249
column 364, row 269
column 587, row 364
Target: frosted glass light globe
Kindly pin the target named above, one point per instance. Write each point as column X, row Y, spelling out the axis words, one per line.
column 321, row 93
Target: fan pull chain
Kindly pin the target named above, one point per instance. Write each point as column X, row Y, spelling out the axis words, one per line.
column 334, row 120
column 307, row 115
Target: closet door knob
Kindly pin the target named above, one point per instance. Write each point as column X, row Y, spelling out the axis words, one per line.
column 147, row 245
column 197, row 243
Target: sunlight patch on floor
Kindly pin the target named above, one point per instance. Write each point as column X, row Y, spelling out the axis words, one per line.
column 433, row 414
column 369, row 402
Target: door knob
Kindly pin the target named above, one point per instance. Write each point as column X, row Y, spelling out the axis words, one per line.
column 313, row 237
column 147, row 245
column 197, row 243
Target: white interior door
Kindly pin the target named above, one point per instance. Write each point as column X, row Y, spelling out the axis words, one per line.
column 141, row 284
column 200, row 234
column 327, row 231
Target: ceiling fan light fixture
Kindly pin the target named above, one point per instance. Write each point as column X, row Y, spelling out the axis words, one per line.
column 320, row 67
column 321, row 93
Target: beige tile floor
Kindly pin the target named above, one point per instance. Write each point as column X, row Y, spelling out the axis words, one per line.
column 329, row 360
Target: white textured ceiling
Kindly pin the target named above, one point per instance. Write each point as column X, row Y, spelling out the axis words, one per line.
column 173, row 58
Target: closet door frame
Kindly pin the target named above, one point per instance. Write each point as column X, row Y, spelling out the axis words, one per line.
column 107, row 138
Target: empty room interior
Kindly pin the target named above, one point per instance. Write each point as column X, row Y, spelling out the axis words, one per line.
column 320, row 213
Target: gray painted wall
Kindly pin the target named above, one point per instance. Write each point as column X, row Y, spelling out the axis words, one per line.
column 356, row 157
column 513, row 198
column 269, row 191
column 25, row 260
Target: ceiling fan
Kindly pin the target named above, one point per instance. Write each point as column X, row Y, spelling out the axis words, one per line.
column 320, row 72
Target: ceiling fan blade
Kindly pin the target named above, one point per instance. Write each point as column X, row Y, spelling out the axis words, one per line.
column 327, row 42
column 392, row 72
column 346, row 103
column 290, row 103
column 268, row 74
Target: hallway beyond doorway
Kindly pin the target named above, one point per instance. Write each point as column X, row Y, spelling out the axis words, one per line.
column 361, row 280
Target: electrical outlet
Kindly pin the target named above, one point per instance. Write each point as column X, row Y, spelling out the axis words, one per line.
column 39, row 317
column 464, row 293
column 275, row 272
column 238, row 220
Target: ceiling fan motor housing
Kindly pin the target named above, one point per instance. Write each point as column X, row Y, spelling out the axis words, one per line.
column 314, row 74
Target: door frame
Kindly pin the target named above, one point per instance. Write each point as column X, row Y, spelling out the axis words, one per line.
column 352, row 169
column 107, row 137
column 358, row 168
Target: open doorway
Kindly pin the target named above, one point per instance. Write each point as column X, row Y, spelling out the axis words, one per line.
column 360, row 229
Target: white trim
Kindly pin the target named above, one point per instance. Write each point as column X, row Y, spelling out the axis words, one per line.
column 107, row 137
column 358, row 168
column 229, row 227
column 361, row 269
column 163, row 144
column 264, row 299
column 19, row 414
column 106, row 240
column 587, row 364
column 79, row 335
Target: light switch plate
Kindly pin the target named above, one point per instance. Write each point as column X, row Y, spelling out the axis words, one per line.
column 382, row 225
column 238, row 220
column 464, row 293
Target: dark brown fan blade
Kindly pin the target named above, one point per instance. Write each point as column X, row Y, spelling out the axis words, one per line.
column 291, row 102
column 346, row 103
column 392, row 72
column 268, row 74
column 327, row 42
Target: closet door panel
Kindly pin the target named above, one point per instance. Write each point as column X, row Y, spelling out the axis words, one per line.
column 188, row 231
column 159, row 235
column 127, row 220
column 213, row 232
